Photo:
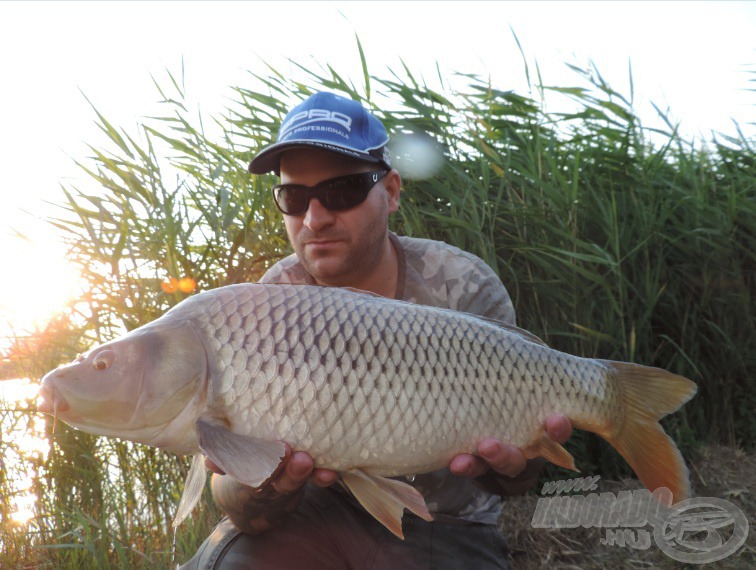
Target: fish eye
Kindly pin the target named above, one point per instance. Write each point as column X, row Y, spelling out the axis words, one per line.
column 104, row 360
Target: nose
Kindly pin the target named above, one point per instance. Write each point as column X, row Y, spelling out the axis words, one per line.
column 318, row 216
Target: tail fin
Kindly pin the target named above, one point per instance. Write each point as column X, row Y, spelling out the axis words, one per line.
column 649, row 394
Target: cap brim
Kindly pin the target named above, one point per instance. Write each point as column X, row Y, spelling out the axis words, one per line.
column 269, row 160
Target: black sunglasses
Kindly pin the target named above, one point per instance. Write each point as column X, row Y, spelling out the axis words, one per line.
column 335, row 194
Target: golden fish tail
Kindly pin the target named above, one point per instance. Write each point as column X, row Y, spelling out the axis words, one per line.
column 647, row 395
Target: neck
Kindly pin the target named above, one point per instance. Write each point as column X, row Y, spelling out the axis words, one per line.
column 381, row 280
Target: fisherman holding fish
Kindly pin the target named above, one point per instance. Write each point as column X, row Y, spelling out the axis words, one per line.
column 336, row 192
column 386, row 363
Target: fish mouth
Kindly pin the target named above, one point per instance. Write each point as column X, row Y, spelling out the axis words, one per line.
column 50, row 401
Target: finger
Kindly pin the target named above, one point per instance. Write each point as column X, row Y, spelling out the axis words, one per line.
column 323, row 477
column 558, row 428
column 295, row 473
column 211, row 466
column 503, row 458
column 467, row 465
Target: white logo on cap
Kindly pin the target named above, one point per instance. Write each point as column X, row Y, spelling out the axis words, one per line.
column 316, row 115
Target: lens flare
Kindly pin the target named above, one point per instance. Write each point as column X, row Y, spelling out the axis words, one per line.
column 170, row 286
column 173, row 284
column 418, row 155
column 187, row 284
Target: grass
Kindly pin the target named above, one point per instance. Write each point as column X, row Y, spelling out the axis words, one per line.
column 614, row 241
column 716, row 471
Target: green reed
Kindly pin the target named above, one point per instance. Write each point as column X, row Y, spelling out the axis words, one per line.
column 614, row 241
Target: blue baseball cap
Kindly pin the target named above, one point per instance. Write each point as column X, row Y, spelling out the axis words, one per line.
column 330, row 122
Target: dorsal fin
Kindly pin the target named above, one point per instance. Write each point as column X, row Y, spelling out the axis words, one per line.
column 513, row 328
column 351, row 289
column 510, row 327
column 364, row 292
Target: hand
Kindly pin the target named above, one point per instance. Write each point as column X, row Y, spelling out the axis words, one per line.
column 295, row 470
column 504, row 458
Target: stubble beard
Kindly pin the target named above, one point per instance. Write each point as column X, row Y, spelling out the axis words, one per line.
column 360, row 260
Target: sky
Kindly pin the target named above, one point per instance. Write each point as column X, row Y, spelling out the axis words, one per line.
column 690, row 57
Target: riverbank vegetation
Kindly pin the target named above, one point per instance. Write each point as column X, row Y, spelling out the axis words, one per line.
column 614, row 240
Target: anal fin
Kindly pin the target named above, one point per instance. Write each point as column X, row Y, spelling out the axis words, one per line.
column 549, row 449
column 385, row 498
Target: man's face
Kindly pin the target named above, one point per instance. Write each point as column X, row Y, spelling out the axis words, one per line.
column 338, row 247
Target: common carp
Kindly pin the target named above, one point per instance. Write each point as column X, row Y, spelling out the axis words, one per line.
column 370, row 387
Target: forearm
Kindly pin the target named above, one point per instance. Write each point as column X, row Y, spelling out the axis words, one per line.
column 512, row 486
column 251, row 510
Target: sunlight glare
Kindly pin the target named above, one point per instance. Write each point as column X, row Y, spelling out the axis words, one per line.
column 22, row 443
column 39, row 282
column 23, row 505
column 24, row 510
column 32, row 441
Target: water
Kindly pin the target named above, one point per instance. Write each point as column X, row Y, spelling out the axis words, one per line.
column 107, row 493
column 21, row 441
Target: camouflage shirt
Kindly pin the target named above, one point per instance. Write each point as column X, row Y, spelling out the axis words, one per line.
column 437, row 274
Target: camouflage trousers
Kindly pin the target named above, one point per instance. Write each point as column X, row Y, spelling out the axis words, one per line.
column 327, row 531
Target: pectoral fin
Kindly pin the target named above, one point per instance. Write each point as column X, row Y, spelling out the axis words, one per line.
column 386, row 499
column 249, row 460
column 193, row 486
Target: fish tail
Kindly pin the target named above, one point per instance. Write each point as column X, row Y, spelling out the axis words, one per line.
column 647, row 395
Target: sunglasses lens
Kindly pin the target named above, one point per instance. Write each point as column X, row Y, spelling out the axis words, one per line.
column 345, row 193
column 342, row 193
column 290, row 200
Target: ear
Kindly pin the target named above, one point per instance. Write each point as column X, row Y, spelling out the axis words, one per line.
column 393, row 184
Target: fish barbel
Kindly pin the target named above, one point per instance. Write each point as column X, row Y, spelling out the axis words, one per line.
column 370, row 387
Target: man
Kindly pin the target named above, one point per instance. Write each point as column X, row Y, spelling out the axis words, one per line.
column 337, row 191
